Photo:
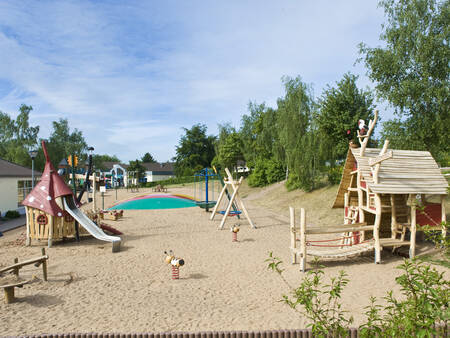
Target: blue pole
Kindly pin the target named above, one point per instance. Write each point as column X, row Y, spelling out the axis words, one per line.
column 206, row 188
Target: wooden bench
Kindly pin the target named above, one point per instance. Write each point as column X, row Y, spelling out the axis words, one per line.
column 9, row 290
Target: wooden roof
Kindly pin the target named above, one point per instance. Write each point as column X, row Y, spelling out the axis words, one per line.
column 407, row 172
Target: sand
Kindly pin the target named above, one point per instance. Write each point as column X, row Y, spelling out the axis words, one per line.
column 224, row 285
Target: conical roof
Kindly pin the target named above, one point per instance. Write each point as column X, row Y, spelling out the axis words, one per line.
column 51, row 186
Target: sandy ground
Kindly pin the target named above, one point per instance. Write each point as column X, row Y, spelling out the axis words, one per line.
column 223, row 286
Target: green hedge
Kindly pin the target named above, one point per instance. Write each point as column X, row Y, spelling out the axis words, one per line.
column 170, row 181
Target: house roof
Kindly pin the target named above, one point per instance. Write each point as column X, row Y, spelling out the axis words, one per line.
column 168, row 166
column 109, row 165
column 9, row 169
column 407, row 172
column 50, row 186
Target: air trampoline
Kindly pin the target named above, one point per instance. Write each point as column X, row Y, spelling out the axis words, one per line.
column 151, row 202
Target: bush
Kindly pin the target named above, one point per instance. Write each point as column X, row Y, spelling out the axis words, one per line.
column 334, row 174
column 11, row 214
column 423, row 305
column 173, row 180
column 266, row 172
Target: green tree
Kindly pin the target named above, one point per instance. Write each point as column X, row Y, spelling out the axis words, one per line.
column 17, row 137
column 62, row 143
column 148, row 158
column 340, row 108
column 195, row 150
column 294, row 128
column 98, row 160
column 136, row 169
column 412, row 72
column 228, row 147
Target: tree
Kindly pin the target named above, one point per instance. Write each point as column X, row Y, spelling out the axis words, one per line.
column 136, row 170
column 148, row 158
column 412, row 71
column 195, row 150
column 230, row 151
column 62, row 143
column 17, row 137
column 98, row 160
column 294, row 127
column 340, row 109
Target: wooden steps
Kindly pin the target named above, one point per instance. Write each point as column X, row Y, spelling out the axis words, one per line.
column 336, row 252
column 387, row 242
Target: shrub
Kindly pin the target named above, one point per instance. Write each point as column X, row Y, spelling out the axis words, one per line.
column 423, row 305
column 334, row 174
column 11, row 214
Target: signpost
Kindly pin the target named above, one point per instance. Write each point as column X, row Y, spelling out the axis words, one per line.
column 103, row 190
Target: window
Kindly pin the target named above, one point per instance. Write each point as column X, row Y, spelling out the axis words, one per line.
column 23, row 189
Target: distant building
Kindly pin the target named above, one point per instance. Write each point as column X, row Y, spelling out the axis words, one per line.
column 15, row 184
column 241, row 167
column 158, row 171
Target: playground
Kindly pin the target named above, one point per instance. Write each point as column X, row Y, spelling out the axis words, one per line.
column 89, row 288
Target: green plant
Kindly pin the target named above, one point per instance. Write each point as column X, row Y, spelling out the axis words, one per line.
column 440, row 241
column 334, row 174
column 320, row 301
column 424, row 304
column 11, row 214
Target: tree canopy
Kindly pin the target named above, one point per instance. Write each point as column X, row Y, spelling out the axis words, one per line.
column 148, row 158
column 17, row 137
column 412, row 72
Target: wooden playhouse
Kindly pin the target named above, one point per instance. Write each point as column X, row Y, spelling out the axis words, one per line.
column 46, row 217
column 386, row 195
column 391, row 190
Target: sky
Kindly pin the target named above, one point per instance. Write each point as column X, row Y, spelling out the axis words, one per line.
column 132, row 74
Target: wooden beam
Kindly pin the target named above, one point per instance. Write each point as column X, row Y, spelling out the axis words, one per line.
column 380, row 158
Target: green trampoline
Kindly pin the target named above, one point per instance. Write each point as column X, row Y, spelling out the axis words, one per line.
column 150, row 202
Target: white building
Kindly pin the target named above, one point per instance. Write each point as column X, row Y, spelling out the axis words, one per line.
column 15, row 184
column 158, row 171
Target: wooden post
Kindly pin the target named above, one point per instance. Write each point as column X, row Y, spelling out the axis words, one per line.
column 293, row 235
column 50, row 230
column 346, row 208
column 360, row 198
column 44, row 265
column 377, row 166
column 303, row 240
column 393, row 217
column 222, row 193
column 94, row 190
column 28, row 240
column 227, row 211
column 443, row 217
column 412, row 248
column 376, row 229
column 16, row 270
column 9, row 294
column 367, row 136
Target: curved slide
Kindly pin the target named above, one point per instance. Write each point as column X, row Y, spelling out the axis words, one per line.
column 91, row 227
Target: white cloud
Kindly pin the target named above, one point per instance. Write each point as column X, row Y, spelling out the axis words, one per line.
column 131, row 75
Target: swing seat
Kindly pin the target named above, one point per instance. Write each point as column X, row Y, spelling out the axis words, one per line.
column 231, row 213
column 204, row 204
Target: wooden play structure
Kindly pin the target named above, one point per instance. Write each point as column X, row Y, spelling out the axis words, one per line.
column 53, row 211
column 9, row 288
column 385, row 196
column 231, row 187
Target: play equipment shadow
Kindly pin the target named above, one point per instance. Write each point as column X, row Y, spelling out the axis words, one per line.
column 40, row 300
column 196, row 276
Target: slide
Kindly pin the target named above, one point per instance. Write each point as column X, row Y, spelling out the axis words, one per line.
column 91, row 227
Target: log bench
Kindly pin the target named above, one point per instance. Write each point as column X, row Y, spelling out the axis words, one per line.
column 9, row 290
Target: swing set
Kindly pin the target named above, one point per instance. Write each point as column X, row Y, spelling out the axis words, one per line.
column 205, row 184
